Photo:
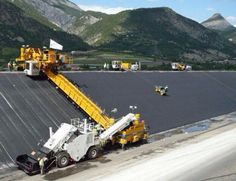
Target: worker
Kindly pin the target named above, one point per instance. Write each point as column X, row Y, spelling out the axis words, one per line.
column 41, row 164
column 9, row 65
column 14, row 65
column 97, row 129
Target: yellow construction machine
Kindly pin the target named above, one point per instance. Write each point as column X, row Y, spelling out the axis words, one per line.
column 180, row 66
column 161, row 90
column 36, row 61
column 124, row 65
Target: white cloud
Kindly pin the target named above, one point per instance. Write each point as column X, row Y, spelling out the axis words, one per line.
column 232, row 20
column 211, row 9
column 104, row 9
column 152, row 0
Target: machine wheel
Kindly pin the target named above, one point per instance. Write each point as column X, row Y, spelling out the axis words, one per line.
column 144, row 141
column 62, row 159
column 92, row 152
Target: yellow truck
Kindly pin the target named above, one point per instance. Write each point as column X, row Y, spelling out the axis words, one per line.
column 124, row 65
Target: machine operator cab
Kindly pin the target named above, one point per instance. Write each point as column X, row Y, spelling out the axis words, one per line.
column 116, row 65
column 31, row 68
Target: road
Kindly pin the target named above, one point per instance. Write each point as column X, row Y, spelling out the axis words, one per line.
column 220, row 168
column 200, row 160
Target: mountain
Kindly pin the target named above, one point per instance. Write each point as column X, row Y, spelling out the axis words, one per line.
column 18, row 27
column 230, row 35
column 62, row 13
column 159, row 32
column 218, row 23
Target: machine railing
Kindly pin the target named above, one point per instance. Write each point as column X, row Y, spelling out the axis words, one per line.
column 82, row 125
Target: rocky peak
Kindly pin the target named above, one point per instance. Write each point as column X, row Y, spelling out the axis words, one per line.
column 53, row 10
column 66, row 3
column 217, row 22
column 216, row 16
column 64, row 14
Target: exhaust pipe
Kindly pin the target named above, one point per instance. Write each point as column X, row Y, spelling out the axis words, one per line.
column 50, row 132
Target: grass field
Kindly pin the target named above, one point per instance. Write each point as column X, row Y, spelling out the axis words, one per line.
column 94, row 60
column 99, row 57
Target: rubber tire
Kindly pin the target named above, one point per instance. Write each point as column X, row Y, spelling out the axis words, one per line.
column 92, row 152
column 144, row 141
column 62, row 159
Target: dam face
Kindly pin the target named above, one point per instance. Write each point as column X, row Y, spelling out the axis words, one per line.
column 28, row 107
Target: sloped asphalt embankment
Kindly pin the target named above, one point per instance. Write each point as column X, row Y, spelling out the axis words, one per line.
column 28, row 107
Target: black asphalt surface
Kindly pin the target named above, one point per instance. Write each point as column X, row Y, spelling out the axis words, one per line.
column 28, row 107
column 192, row 96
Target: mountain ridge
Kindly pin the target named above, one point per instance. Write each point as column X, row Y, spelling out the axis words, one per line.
column 160, row 33
column 18, row 28
column 219, row 24
column 64, row 14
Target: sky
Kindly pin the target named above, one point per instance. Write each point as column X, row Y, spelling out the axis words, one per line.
column 198, row 10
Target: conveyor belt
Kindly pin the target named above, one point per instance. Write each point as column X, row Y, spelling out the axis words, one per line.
column 79, row 98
